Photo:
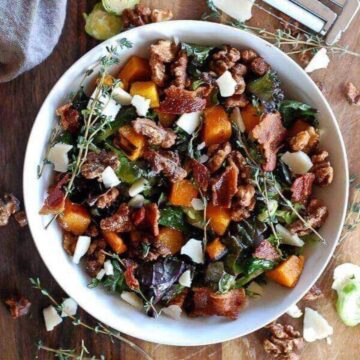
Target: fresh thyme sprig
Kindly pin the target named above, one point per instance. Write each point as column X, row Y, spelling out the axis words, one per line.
column 76, row 321
column 303, row 42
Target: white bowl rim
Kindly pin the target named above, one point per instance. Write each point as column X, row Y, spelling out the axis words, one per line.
column 222, row 337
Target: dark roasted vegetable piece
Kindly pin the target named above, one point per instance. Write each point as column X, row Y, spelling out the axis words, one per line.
column 292, row 110
column 253, row 268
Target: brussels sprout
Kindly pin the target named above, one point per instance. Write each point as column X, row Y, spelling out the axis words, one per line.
column 116, row 7
column 348, row 303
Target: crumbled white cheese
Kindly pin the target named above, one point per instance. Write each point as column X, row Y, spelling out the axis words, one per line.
column 138, row 186
column 236, row 118
column 109, row 178
column 194, row 250
column 294, row 311
column 137, row 201
column 255, row 289
column 316, row 326
column 121, row 96
column 343, row 273
column 286, row 237
column 237, row 9
column 69, row 307
column 173, row 311
column 227, row 84
column 319, row 61
column 298, row 162
column 51, row 317
column 100, row 274
column 58, row 156
column 109, row 107
column 201, row 146
column 108, row 267
column 197, row 204
column 82, row 246
column 132, row 299
column 185, row 278
column 189, row 122
column 141, row 104
column 203, row 159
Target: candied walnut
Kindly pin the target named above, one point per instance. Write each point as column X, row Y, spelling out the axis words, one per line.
column 95, row 164
column 315, row 218
column 270, row 133
column 352, row 93
column 224, row 59
column 92, row 231
column 18, row 306
column 165, row 162
column 301, row 188
column 322, row 169
column 107, row 199
column 119, row 222
column 178, row 70
column 248, row 55
column 313, row 294
column 161, row 53
column 201, row 175
column 55, row 201
column 206, row 302
column 69, row 242
column 156, row 135
column 159, row 15
column 239, row 70
column 237, row 159
column 95, row 257
column 283, row 341
column 180, row 101
column 218, row 155
column 265, row 250
column 290, row 25
column 237, row 101
column 225, row 187
column 305, row 141
column 147, row 218
column 244, row 203
column 259, row 67
column 69, row 118
column 9, row 205
column 21, row 218
column 138, row 16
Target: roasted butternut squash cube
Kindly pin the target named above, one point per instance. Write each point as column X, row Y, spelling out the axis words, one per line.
column 182, row 192
column 216, row 250
column 131, row 142
column 75, row 218
column 146, row 89
column 171, row 238
column 166, row 120
column 219, row 218
column 250, row 116
column 115, row 242
column 288, row 272
column 136, row 69
column 217, row 126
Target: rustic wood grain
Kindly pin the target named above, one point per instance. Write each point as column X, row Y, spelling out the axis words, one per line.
column 19, row 260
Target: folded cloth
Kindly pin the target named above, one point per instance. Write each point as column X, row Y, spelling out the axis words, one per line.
column 29, row 31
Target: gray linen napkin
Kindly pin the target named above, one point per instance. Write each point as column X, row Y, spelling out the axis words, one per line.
column 29, row 31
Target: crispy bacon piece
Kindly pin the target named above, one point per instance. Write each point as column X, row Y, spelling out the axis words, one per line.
column 119, row 222
column 55, row 201
column 155, row 134
column 18, row 306
column 147, row 218
column 166, row 162
column 131, row 281
column 265, row 250
column 206, row 302
column 69, row 118
column 225, row 187
column 302, row 188
column 270, row 133
column 201, row 175
column 180, row 101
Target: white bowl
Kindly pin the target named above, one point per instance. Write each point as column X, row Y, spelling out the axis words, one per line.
column 110, row 309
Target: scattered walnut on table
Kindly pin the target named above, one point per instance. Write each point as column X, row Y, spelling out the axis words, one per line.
column 21, row 218
column 142, row 15
column 9, row 205
column 352, row 93
column 283, row 342
column 18, row 306
column 322, row 169
column 313, row 294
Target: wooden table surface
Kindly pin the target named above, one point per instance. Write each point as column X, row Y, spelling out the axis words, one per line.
column 19, row 259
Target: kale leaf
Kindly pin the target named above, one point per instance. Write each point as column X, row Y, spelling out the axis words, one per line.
column 173, row 217
column 197, row 53
column 292, row 110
